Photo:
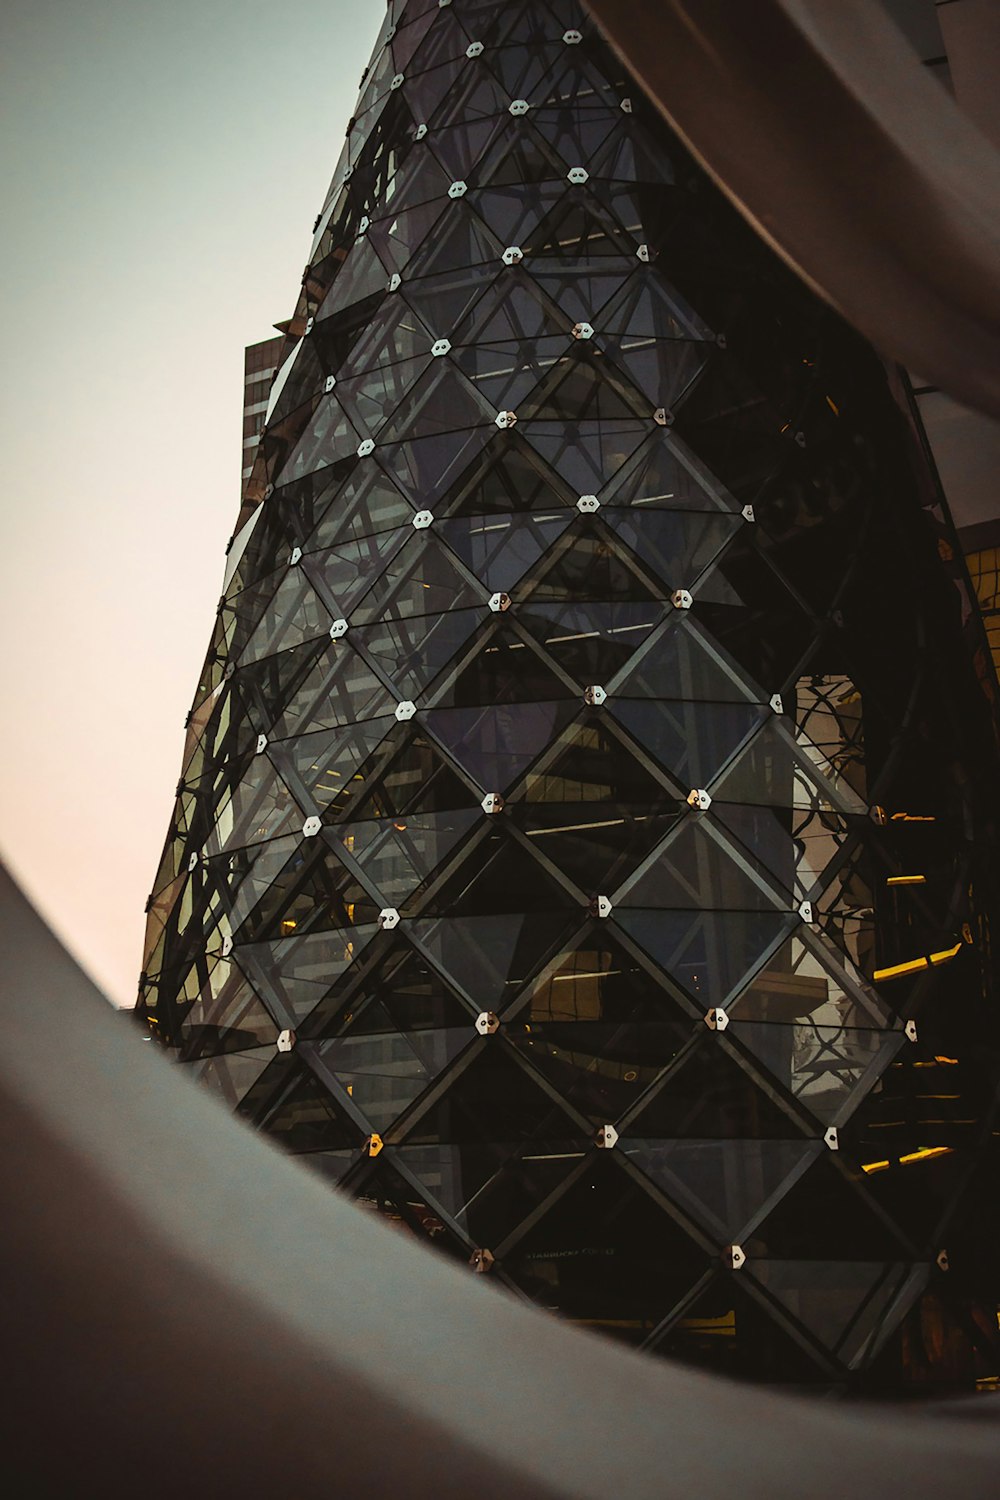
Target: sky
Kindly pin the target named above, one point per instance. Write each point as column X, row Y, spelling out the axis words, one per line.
column 161, row 166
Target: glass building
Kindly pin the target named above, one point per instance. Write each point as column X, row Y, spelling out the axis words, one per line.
column 580, row 851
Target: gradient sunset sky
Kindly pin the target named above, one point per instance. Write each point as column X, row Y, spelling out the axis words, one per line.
column 162, row 165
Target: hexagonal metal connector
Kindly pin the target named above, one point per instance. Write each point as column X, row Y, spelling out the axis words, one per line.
column 458, row 189
column 492, row 803
column 261, row 744
column 422, row 520
column 227, row 946
column 941, row 1261
column 474, row 49
column 310, row 324
column 295, row 556
column 481, row 1261
column 910, row 1031
column 777, row 705
column 499, row 603
column 682, row 599
column 440, row 346
column 642, row 253
column 734, row 1256
column 577, row 175
column 364, row 224
column 328, row 384
column 519, row 107
column 397, row 81
column 405, row 710
column 420, row 132
column 268, row 491
column 373, row 1144
column 583, row 331
column 395, row 282
column 286, row 1041
column 338, row 629
column 365, row 448
column 626, row 105
column 748, row 513
column 587, row 504
column 600, row 906
column 606, row 1137
column 595, row 696
column 512, row 256
column 806, row 911
column 506, row 418
column 193, row 862
column 699, row 799
column 388, row 918
column 831, row 1139
column 572, row 37
column 716, row 1019
column 311, row 827
column 487, row 1023
column 663, row 416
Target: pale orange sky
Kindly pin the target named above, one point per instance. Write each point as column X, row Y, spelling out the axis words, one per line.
column 161, row 168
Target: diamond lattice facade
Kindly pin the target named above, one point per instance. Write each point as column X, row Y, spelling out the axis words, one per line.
column 576, row 854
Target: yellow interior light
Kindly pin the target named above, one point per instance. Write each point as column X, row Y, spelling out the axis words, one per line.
column 906, row 880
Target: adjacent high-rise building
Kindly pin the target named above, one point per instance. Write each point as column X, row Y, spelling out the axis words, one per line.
column 579, row 853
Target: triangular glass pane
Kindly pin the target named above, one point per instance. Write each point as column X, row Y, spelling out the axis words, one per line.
column 843, row 1304
column 665, row 473
column 368, row 503
column 413, row 651
column 244, row 875
column 596, row 845
column 305, row 1118
column 590, row 764
column 726, row 1331
column 501, row 876
column 322, row 765
column 398, row 854
column 422, row 578
column 371, row 398
column 496, row 743
column 695, row 871
column 442, row 301
column 295, row 614
column 575, row 231
column 709, row 1097
column 720, row 1184
column 646, row 309
column 585, row 454
column 227, row 1017
column 824, row 1217
column 312, row 890
column 400, row 1205
column 489, row 959
column 265, row 687
column 328, row 437
column 578, row 389
column 410, row 778
column 428, row 465
column 690, row 740
column 601, row 1068
column 384, row 1074
column 681, row 666
column 260, row 807
column 591, row 641
column 823, row 1066
column 596, row 980
column 399, row 236
column 340, row 689
column 498, row 548
column 232, row 1075
column 606, row 1256
column 293, row 974
column 775, row 770
column 341, row 575
column 502, row 670
column 507, row 476
column 587, row 569
column 580, row 292
column 362, row 275
column 709, row 953
column 678, row 545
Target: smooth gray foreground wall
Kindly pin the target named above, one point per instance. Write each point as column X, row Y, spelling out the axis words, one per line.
column 184, row 1312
